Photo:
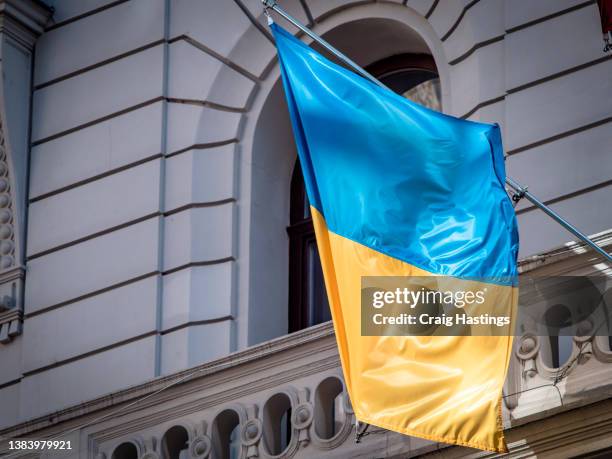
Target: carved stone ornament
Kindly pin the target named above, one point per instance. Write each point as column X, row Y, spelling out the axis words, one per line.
column 21, row 22
column 527, row 352
column 200, row 446
column 150, row 449
column 251, row 432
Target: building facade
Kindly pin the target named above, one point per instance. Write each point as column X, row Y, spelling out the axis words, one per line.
column 148, row 279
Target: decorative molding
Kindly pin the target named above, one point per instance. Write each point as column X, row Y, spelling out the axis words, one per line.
column 251, row 419
column 23, row 20
column 7, row 209
column 200, row 443
column 571, row 253
column 10, row 325
column 11, row 273
column 318, row 340
column 184, row 405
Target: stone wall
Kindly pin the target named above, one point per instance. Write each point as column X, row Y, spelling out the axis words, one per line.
column 161, row 157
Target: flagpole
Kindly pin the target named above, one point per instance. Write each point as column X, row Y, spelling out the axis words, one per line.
column 521, row 191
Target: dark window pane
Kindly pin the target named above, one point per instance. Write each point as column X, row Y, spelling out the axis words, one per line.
column 318, row 306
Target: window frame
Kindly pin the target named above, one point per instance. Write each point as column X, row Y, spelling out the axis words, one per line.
column 301, row 230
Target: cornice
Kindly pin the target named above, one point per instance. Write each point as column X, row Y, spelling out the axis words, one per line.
column 23, row 20
column 188, row 406
column 564, row 252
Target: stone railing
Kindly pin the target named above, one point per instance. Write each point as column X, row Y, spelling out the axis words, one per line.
column 538, row 383
column 281, row 399
column 286, row 398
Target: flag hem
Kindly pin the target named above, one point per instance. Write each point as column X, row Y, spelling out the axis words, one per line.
column 451, row 441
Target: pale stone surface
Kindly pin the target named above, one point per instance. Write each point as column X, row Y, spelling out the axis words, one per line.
column 553, row 46
column 420, row 6
column 319, row 8
column 9, row 401
column 270, row 167
column 218, row 25
column 558, row 105
column 100, row 92
column 253, row 51
column 97, row 263
column 109, row 318
column 445, row 15
column 81, row 380
column 196, row 344
column 232, row 88
column 96, row 150
column 96, row 206
column 198, row 234
column 99, row 37
column 10, row 360
column 579, row 161
column 478, row 78
column 492, row 113
column 190, row 125
column 519, row 12
column 67, row 9
column 198, row 293
column 199, row 176
column 483, row 21
column 590, row 212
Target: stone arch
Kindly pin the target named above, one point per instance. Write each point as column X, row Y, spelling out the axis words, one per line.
column 266, row 153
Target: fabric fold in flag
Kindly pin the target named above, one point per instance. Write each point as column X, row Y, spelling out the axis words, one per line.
column 396, row 189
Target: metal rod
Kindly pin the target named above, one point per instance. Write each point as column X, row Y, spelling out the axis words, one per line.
column 521, row 190
column 272, row 5
column 555, row 216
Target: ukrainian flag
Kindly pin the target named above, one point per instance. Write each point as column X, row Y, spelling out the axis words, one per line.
column 397, row 189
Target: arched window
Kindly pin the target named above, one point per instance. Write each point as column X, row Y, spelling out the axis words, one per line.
column 415, row 77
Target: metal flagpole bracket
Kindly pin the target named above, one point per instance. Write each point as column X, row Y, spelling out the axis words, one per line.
column 518, row 195
column 271, row 4
column 520, row 190
column 361, row 429
column 268, row 4
column 523, row 192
